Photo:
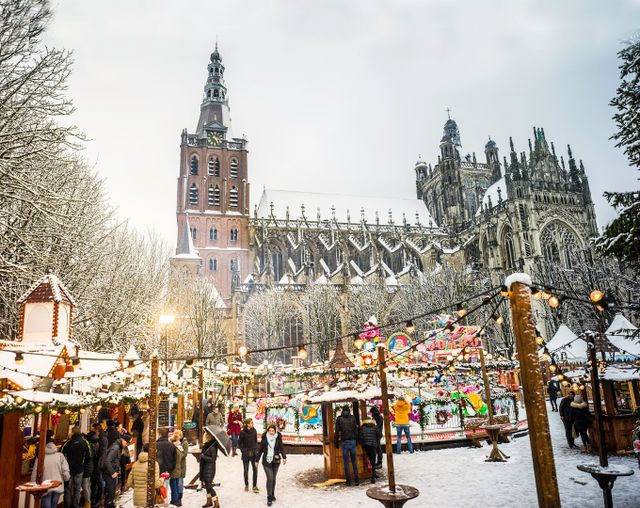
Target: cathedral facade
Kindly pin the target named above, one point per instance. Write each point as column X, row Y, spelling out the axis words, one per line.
column 492, row 214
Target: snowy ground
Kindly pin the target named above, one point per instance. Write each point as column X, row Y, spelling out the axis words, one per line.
column 453, row 477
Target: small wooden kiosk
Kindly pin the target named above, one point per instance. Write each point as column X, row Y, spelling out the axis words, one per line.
column 620, row 387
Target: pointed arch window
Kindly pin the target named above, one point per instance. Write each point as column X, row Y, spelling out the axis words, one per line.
column 216, row 93
column 211, row 196
column 508, row 250
column 194, row 234
column 213, row 234
column 193, row 194
column 233, row 168
column 193, row 166
column 559, row 244
column 233, row 235
column 233, row 197
column 213, row 265
column 213, row 168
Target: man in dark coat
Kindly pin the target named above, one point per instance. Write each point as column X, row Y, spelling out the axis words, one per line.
column 553, row 390
column 89, row 466
column 110, row 467
column 580, row 418
column 165, row 452
column 112, row 434
column 248, row 444
column 377, row 417
column 97, row 489
column 346, row 432
column 370, row 436
column 137, row 430
column 76, row 450
column 565, row 416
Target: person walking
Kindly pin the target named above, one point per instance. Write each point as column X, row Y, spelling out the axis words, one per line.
column 178, row 473
column 248, row 444
column 346, row 433
column 215, row 418
column 166, row 454
column 208, row 459
column 370, row 436
column 272, row 452
column 565, row 416
column 55, row 467
column 110, row 467
column 77, row 452
column 581, row 418
column 553, row 390
column 375, row 414
column 401, row 410
column 138, row 477
column 234, row 422
column 89, row 466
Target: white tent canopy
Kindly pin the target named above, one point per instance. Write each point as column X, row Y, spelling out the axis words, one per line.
column 618, row 335
column 566, row 345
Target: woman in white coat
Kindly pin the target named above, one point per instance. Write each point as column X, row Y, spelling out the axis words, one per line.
column 55, row 468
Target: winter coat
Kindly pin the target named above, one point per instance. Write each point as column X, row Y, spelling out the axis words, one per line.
column 248, row 443
column 208, row 462
column 346, row 428
column 112, row 435
column 55, row 467
column 166, row 455
column 215, row 419
column 402, row 409
column 137, row 427
column 565, row 408
column 94, row 445
column 182, row 450
column 234, row 422
column 76, row 451
column 375, row 414
column 138, row 479
column 111, row 460
column 580, row 415
column 263, row 449
column 553, row 390
column 370, row 434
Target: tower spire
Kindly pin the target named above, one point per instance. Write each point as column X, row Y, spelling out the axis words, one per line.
column 214, row 110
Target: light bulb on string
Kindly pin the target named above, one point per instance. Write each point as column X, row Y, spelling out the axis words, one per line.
column 504, row 291
column 498, row 319
column 536, row 293
column 554, row 301
column 460, row 310
column 19, row 358
column 596, row 295
column 553, row 367
column 410, row 327
column 302, row 352
column 242, row 351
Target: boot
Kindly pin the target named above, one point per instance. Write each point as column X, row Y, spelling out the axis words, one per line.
column 216, row 503
column 234, row 452
column 208, row 503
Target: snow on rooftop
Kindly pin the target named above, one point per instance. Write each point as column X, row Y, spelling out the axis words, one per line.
column 618, row 335
column 566, row 342
column 523, row 278
column 621, row 373
column 492, row 192
column 344, row 207
column 337, row 394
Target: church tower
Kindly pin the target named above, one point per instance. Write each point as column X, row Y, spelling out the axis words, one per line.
column 213, row 191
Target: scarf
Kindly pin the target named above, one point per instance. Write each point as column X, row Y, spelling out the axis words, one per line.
column 271, row 442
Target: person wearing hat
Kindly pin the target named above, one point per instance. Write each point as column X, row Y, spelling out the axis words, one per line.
column 581, row 418
column 346, row 434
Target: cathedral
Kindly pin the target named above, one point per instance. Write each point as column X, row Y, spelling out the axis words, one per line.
column 498, row 215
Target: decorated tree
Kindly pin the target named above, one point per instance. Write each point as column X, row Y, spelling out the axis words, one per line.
column 621, row 237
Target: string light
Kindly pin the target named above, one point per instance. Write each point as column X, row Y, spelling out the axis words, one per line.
column 302, row 352
column 596, row 295
column 554, row 301
column 410, row 326
column 539, row 338
column 504, row 291
column 553, row 367
column 242, row 351
column 19, row 358
column 75, row 361
column 498, row 319
column 460, row 310
column 536, row 293
column 38, row 409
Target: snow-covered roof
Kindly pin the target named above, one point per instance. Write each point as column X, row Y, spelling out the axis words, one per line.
column 34, row 367
column 620, row 338
column 565, row 341
column 336, row 395
column 492, row 192
column 343, row 207
column 48, row 287
column 621, row 373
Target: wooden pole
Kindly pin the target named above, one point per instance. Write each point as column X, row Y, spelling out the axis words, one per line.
column 387, row 423
column 180, row 415
column 597, row 402
column 200, row 405
column 487, row 386
column 534, row 398
column 44, row 427
column 153, row 425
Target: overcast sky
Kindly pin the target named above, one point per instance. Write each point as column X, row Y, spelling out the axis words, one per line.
column 340, row 96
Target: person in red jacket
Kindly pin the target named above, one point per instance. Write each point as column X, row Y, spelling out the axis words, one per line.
column 234, row 427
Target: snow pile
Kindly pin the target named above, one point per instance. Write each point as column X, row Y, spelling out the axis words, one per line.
column 523, row 278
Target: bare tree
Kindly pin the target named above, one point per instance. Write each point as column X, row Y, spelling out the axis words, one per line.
column 321, row 304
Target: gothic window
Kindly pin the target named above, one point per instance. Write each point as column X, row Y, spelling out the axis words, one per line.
column 214, row 166
column 213, row 264
column 193, row 194
column 470, row 203
column 194, row 233
column 233, row 168
column 216, row 93
column 484, row 252
column 559, row 244
column 216, row 196
column 213, row 234
column 234, row 264
column 233, row 197
column 508, row 250
column 193, row 167
column 211, row 196
column 233, row 234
